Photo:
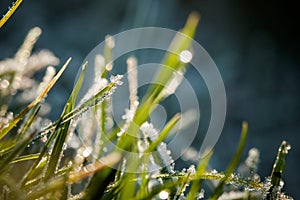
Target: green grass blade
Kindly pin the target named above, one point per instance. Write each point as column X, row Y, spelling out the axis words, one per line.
column 15, row 152
column 184, row 182
column 234, row 162
column 143, row 190
column 163, row 76
column 40, row 162
column 30, row 179
column 8, row 145
column 28, row 122
column 25, row 158
column 279, row 164
column 99, row 183
column 78, row 85
column 181, row 42
column 87, row 104
column 196, row 184
column 278, row 169
column 109, row 44
column 62, row 129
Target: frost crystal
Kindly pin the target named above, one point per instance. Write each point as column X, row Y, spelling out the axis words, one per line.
column 253, row 158
column 191, row 169
column 148, row 130
column 116, row 79
column 190, row 154
column 200, row 195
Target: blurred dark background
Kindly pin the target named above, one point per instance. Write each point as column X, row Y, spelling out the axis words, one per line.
column 255, row 45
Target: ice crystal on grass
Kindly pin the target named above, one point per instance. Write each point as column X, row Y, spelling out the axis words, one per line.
column 253, row 158
column 5, row 118
column 76, row 153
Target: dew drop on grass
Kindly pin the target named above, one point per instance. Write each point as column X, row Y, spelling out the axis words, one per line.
column 119, row 134
column 65, row 146
column 163, row 194
column 185, row 56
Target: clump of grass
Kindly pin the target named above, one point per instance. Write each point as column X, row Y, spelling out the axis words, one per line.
column 35, row 163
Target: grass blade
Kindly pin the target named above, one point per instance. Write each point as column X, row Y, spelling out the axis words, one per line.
column 62, row 129
column 234, row 163
column 163, row 76
column 196, row 184
column 278, row 169
column 14, row 153
column 10, row 12
column 26, row 157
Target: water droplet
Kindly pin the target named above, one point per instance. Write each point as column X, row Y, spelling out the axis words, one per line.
column 4, row 84
column 119, row 134
column 185, row 56
column 163, row 194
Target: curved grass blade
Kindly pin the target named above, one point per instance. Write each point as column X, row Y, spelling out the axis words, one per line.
column 30, row 179
column 62, row 129
column 234, row 162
